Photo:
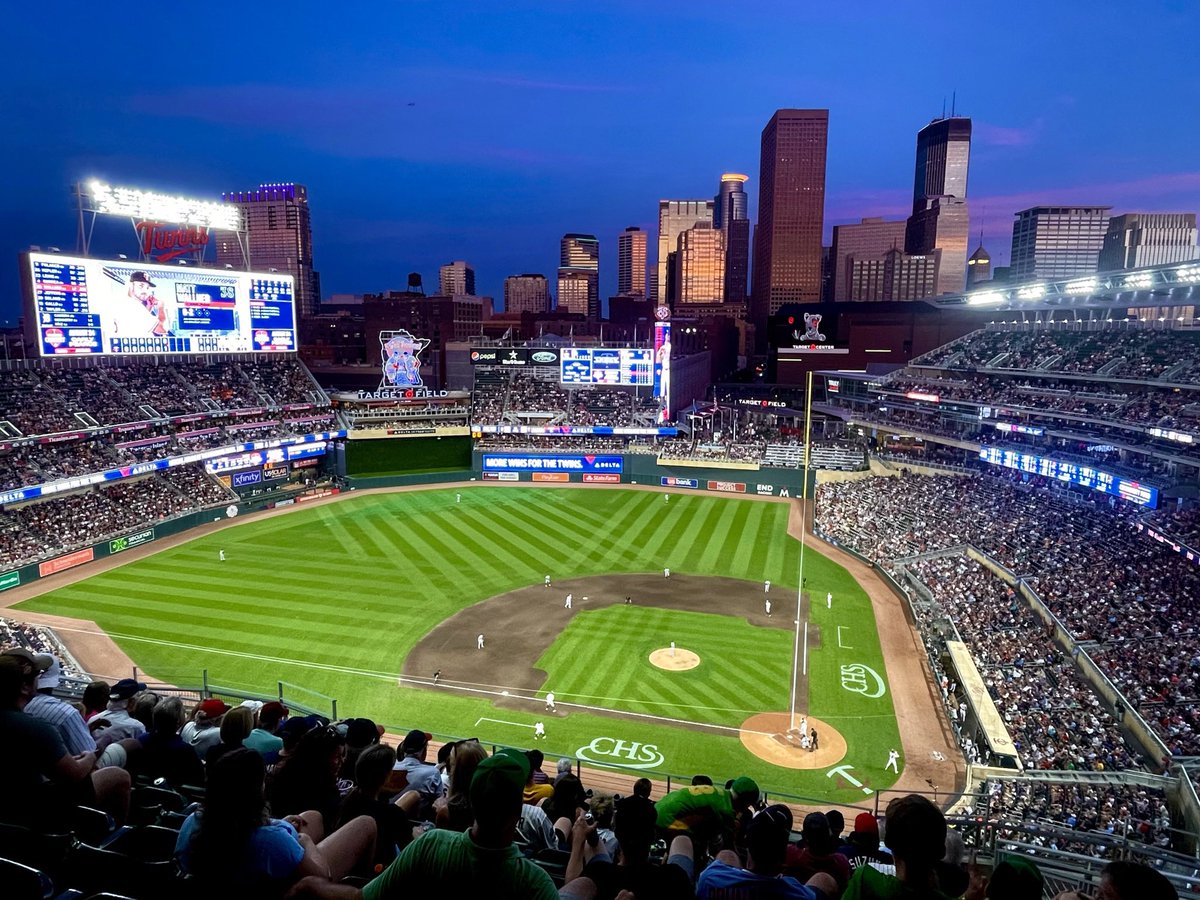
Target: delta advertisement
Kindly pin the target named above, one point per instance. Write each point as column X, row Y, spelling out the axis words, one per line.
column 92, row 307
column 521, row 462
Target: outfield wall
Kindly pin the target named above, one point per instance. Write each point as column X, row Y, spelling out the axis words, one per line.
column 635, row 468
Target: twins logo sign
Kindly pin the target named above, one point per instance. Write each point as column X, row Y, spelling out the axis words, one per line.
column 400, row 352
column 626, row 754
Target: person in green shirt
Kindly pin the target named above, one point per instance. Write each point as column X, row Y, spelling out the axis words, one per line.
column 461, row 864
column 705, row 809
column 915, row 833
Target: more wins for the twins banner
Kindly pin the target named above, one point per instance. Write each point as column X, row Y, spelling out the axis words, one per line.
column 581, row 463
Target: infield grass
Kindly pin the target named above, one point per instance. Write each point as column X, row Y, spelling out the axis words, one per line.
column 331, row 599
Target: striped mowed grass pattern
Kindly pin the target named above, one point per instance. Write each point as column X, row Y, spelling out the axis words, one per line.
column 333, row 598
column 602, row 659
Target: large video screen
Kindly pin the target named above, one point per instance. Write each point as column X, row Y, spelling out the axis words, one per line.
column 602, row 365
column 93, row 307
column 1084, row 476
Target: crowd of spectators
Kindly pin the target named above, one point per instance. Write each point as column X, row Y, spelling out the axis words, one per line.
column 46, row 398
column 46, row 528
column 270, row 802
column 1137, row 599
column 1181, row 522
column 1053, row 715
column 1122, row 810
column 1143, row 353
column 37, row 639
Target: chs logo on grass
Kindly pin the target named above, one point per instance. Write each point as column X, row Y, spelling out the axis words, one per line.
column 607, row 751
column 860, row 679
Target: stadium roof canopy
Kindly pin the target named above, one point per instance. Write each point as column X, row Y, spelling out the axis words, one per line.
column 1175, row 285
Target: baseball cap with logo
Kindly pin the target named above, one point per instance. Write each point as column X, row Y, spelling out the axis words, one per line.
column 143, row 278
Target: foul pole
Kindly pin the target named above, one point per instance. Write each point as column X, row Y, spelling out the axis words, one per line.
column 796, row 663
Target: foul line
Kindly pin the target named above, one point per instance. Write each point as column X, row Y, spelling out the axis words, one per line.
column 500, row 722
column 804, row 670
column 401, row 679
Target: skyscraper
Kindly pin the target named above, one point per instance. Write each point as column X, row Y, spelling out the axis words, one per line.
column 871, row 238
column 1149, row 239
column 579, row 274
column 731, row 215
column 674, row 218
column 526, row 293
column 280, row 227
column 940, row 218
column 631, row 262
column 700, row 266
column 1057, row 241
column 979, row 266
column 456, row 278
column 791, row 212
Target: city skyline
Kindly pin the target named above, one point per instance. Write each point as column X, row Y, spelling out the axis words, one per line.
column 393, row 188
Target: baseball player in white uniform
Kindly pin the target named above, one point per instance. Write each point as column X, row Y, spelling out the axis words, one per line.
column 767, row 605
column 893, row 758
column 547, row 581
column 539, row 731
column 766, row 587
column 479, row 642
column 829, row 600
column 221, row 555
column 567, row 605
column 666, row 573
column 550, row 707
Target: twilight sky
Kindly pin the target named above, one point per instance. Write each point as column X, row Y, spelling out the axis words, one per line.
column 431, row 131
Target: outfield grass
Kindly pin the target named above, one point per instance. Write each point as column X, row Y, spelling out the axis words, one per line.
column 334, row 597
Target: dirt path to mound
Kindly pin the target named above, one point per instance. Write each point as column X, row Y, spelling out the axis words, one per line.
column 930, row 752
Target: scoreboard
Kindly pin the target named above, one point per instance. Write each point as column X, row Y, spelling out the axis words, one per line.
column 91, row 307
column 601, row 365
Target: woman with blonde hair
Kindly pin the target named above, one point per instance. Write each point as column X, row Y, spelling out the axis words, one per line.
column 453, row 812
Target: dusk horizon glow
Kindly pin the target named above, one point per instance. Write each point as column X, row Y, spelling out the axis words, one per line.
column 435, row 132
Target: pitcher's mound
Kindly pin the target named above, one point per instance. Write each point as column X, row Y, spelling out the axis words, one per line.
column 766, row 735
column 678, row 661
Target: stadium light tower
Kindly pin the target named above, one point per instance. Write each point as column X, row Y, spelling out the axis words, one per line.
column 797, row 663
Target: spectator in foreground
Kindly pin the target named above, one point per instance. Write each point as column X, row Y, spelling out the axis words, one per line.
column 454, row 810
column 634, row 829
column 235, row 728
column 1014, row 878
column 203, row 732
column 117, row 723
column 479, row 861
column 766, row 846
column 862, row 846
column 61, row 716
column 164, row 754
column 263, row 738
column 707, row 811
column 916, row 835
column 308, row 778
column 232, row 841
column 420, row 776
column 536, row 791
column 1125, row 880
column 818, row 853
column 39, row 780
column 374, row 765
column 95, row 698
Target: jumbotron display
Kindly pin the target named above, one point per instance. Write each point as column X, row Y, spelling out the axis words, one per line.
column 1084, row 476
column 597, row 365
column 92, row 307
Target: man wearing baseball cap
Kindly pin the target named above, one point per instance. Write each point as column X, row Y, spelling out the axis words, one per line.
column 423, row 777
column 479, row 861
column 766, row 847
column 116, row 722
column 204, row 731
column 39, row 779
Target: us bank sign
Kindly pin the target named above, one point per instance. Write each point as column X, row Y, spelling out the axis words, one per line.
column 607, row 751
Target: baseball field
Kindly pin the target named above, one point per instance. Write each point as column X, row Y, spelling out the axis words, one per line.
column 366, row 598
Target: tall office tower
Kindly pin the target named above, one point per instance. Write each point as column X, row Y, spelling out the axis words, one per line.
column 579, row 275
column 456, row 278
column 979, row 266
column 791, row 212
column 869, row 239
column 700, row 265
column 674, row 218
column 280, row 226
column 731, row 214
column 526, row 293
column 908, row 276
column 1149, row 239
column 940, row 219
column 1057, row 241
column 631, row 262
